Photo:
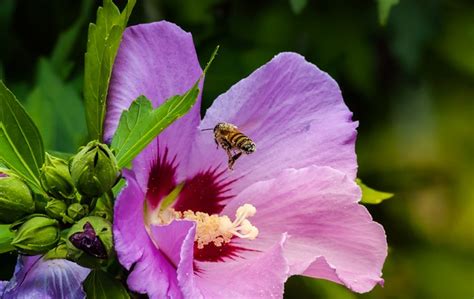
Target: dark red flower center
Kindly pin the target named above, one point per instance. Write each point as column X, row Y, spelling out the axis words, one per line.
column 204, row 192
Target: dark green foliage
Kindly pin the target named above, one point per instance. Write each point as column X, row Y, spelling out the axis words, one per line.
column 100, row 285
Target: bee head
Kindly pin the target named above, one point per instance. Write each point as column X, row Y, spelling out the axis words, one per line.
column 218, row 127
column 249, row 148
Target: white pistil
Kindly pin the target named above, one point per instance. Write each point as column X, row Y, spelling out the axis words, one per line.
column 214, row 228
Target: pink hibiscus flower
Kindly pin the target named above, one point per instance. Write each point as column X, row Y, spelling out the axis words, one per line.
column 290, row 208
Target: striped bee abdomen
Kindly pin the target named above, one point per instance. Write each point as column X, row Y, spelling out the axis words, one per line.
column 233, row 141
column 242, row 142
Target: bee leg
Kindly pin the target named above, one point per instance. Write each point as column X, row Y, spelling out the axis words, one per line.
column 217, row 143
column 233, row 159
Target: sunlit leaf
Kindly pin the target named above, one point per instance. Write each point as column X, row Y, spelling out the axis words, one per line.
column 372, row 196
column 118, row 187
column 384, row 7
column 298, row 5
column 102, row 45
column 21, row 146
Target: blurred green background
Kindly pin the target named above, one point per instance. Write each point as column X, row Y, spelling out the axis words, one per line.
column 410, row 84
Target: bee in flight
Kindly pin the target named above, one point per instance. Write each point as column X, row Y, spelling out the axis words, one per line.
column 232, row 141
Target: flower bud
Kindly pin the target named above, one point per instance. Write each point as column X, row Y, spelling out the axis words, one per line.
column 56, row 208
column 16, row 199
column 58, row 252
column 56, row 179
column 76, row 211
column 103, row 208
column 89, row 242
column 94, row 169
column 67, row 219
column 37, row 235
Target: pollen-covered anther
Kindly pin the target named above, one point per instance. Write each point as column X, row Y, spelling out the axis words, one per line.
column 220, row 229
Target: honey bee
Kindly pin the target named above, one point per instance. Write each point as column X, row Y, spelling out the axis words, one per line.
column 232, row 141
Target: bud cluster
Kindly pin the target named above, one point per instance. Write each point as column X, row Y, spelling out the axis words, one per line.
column 75, row 193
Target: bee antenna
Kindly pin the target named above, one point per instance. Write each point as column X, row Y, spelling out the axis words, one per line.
column 207, row 129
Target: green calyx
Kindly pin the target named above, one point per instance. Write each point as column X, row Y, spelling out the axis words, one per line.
column 76, row 211
column 94, row 170
column 56, row 179
column 37, row 235
column 104, row 208
column 56, row 208
column 16, row 199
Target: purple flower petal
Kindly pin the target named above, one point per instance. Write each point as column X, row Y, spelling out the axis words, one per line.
column 330, row 235
column 129, row 226
column 38, row 278
column 176, row 241
column 295, row 114
column 153, row 273
column 3, row 284
column 157, row 60
column 261, row 275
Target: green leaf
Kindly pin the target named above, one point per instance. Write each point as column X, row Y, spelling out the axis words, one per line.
column 297, row 6
column 6, row 236
column 57, row 110
column 384, row 7
column 100, row 285
column 62, row 155
column 140, row 124
column 21, row 146
column 102, row 45
column 118, row 187
column 372, row 196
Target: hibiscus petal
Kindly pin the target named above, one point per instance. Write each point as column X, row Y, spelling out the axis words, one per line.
column 3, row 284
column 152, row 273
column 38, row 278
column 295, row 114
column 331, row 236
column 129, row 226
column 157, row 60
column 257, row 275
column 176, row 241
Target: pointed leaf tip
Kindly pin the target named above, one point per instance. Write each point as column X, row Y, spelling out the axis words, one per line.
column 372, row 196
